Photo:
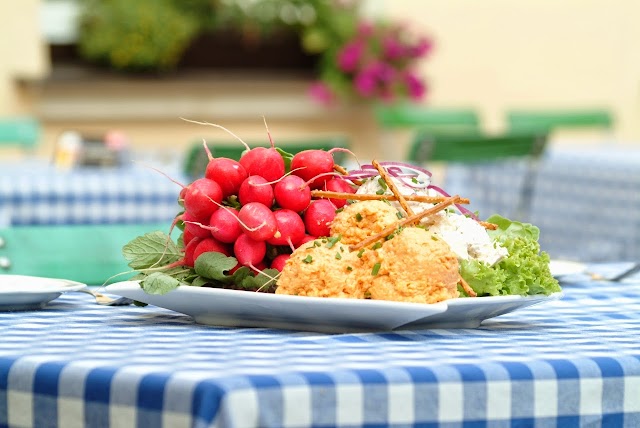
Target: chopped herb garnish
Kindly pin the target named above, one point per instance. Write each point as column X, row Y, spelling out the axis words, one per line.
column 360, row 253
column 339, row 210
column 414, row 180
column 375, row 269
column 338, row 255
column 358, row 217
column 349, row 268
column 316, row 244
column 376, row 245
column 380, row 192
column 333, row 240
column 383, row 184
column 399, row 215
column 434, row 237
column 308, row 259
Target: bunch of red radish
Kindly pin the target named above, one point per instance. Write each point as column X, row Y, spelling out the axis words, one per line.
column 257, row 211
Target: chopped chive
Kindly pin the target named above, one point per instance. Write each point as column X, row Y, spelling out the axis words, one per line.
column 360, row 253
column 316, row 244
column 375, row 269
column 358, row 217
column 399, row 214
column 349, row 268
column 382, row 184
column 308, row 259
column 380, row 192
column 434, row 237
column 333, row 240
column 338, row 255
column 376, row 245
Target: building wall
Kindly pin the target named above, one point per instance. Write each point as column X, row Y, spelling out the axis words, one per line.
column 502, row 54
column 491, row 55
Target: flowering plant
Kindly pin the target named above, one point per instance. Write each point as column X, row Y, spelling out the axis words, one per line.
column 378, row 62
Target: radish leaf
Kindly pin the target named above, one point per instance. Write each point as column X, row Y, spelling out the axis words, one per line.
column 151, row 249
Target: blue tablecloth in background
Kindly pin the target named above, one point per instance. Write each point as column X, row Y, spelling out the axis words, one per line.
column 586, row 201
column 571, row 362
column 34, row 193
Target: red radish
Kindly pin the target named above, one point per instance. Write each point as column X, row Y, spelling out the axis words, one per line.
column 188, row 259
column 224, row 225
column 279, row 261
column 292, row 193
column 249, row 252
column 257, row 221
column 263, row 161
column 318, row 217
column 187, row 236
column 228, row 173
column 337, row 184
column 307, row 238
column 202, row 198
column 290, row 226
column 194, row 229
column 209, row 245
column 255, row 189
column 309, row 164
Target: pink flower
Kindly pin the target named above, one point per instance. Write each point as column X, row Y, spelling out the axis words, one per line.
column 321, row 92
column 392, row 48
column 349, row 56
column 422, row 48
column 365, row 82
column 365, row 29
column 415, row 86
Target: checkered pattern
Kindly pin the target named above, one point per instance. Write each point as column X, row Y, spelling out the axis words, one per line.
column 34, row 194
column 572, row 362
column 586, row 200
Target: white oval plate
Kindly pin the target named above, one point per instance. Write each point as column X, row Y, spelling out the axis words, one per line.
column 233, row 308
column 560, row 268
column 21, row 292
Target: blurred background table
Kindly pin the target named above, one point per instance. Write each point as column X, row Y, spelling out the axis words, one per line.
column 570, row 362
column 585, row 198
column 34, row 192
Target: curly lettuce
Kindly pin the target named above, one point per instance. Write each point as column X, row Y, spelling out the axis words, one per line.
column 524, row 272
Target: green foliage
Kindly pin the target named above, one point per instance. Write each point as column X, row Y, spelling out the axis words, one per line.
column 152, row 35
column 141, row 35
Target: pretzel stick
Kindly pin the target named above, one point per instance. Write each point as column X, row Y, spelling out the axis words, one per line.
column 373, row 197
column 391, row 185
column 466, row 287
column 487, row 225
column 409, row 220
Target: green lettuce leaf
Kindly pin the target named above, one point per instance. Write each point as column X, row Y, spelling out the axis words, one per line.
column 524, row 272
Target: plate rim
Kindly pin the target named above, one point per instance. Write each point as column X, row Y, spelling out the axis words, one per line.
column 435, row 312
column 64, row 285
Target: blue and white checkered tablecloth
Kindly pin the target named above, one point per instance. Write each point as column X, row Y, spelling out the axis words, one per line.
column 36, row 193
column 567, row 363
column 586, row 201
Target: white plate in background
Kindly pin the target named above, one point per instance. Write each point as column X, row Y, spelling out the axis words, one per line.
column 234, row 308
column 22, row 292
column 560, row 268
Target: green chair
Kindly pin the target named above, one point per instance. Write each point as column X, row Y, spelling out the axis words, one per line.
column 428, row 146
column 476, row 149
column 413, row 116
column 196, row 159
column 551, row 120
column 91, row 254
column 21, row 132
